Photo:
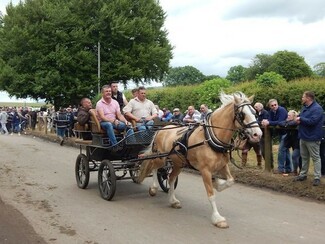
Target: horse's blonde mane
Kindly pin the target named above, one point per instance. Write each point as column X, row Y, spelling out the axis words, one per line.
column 227, row 99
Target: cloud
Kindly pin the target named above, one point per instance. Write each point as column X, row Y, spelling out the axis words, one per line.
column 294, row 10
column 214, row 35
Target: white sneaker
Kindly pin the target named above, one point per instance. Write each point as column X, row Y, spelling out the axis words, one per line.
column 12, row 134
column 18, row 133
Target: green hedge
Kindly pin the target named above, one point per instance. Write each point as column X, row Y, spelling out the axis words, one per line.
column 288, row 94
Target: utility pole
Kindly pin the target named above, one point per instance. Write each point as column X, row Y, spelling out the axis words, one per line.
column 98, row 69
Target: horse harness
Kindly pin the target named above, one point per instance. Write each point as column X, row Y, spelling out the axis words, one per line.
column 213, row 141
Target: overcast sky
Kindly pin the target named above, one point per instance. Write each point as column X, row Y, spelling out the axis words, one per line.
column 214, row 35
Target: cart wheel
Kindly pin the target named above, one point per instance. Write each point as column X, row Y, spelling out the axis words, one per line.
column 106, row 180
column 82, row 171
column 162, row 175
column 134, row 175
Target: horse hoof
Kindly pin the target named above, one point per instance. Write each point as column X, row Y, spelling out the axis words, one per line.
column 176, row 205
column 222, row 225
column 152, row 192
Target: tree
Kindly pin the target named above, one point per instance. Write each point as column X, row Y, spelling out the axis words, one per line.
column 261, row 63
column 49, row 47
column 319, row 69
column 290, row 65
column 237, row 74
column 187, row 75
column 269, row 79
column 208, row 91
column 211, row 77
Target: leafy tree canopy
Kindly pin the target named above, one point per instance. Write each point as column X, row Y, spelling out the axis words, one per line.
column 187, row 75
column 237, row 74
column 208, row 91
column 288, row 64
column 261, row 63
column 319, row 69
column 269, row 79
column 49, row 47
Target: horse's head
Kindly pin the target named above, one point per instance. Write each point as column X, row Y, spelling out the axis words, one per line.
column 245, row 117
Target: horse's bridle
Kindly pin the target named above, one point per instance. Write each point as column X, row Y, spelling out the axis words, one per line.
column 215, row 142
column 240, row 116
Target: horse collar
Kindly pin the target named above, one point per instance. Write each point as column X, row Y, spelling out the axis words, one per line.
column 214, row 142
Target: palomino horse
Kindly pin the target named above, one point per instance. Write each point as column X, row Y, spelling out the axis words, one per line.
column 205, row 147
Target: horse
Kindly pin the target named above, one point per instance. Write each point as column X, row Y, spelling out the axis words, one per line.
column 206, row 147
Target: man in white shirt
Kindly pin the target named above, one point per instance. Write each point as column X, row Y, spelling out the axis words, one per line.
column 141, row 110
column 192, row 115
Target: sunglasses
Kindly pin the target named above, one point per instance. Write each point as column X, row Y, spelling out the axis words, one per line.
column 274, row 105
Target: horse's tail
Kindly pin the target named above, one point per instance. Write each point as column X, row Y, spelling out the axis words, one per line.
column 146, row 165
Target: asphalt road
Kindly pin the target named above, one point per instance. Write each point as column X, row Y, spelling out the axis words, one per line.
column 37, row 179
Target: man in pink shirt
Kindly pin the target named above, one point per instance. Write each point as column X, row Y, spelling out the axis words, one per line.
column 109, row 114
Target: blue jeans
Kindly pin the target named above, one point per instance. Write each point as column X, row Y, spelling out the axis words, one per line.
column 284, row 161
column 145, row 125
column 60, row 131
column 296, row 159
column 109, row 128
column 16, row 128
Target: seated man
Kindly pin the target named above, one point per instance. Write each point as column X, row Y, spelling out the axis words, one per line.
column 204, row 111
column 167, row 115
column 109, row 115
column 192, row 116
column 141, row 110
column 177, row 116
column 83, row 116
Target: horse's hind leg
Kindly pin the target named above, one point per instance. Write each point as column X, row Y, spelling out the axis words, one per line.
column 157, row 163
column 216, row 218
column 224, row 184
column 154, row 187
column 174, row 202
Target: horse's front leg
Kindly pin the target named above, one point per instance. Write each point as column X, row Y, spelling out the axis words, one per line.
column 173, row 201
column 216, row 218
column 154, row 187
column 221, row 184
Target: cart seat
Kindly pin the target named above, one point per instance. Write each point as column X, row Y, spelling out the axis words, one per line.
column 82, row 131
column 94, row 123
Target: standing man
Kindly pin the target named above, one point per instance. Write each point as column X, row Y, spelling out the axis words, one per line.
column 322, row 148
column 109, row 114
column 141, row 110
column 117, row 95
column 276, row 115
column 3, row 121
column 261, row 115
column 61, row 122
column 310, row 132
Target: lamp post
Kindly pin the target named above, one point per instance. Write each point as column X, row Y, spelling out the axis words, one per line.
column 98, row 68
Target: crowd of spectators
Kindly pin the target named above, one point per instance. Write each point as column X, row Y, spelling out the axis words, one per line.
column 15, row 119
column 301, row 132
